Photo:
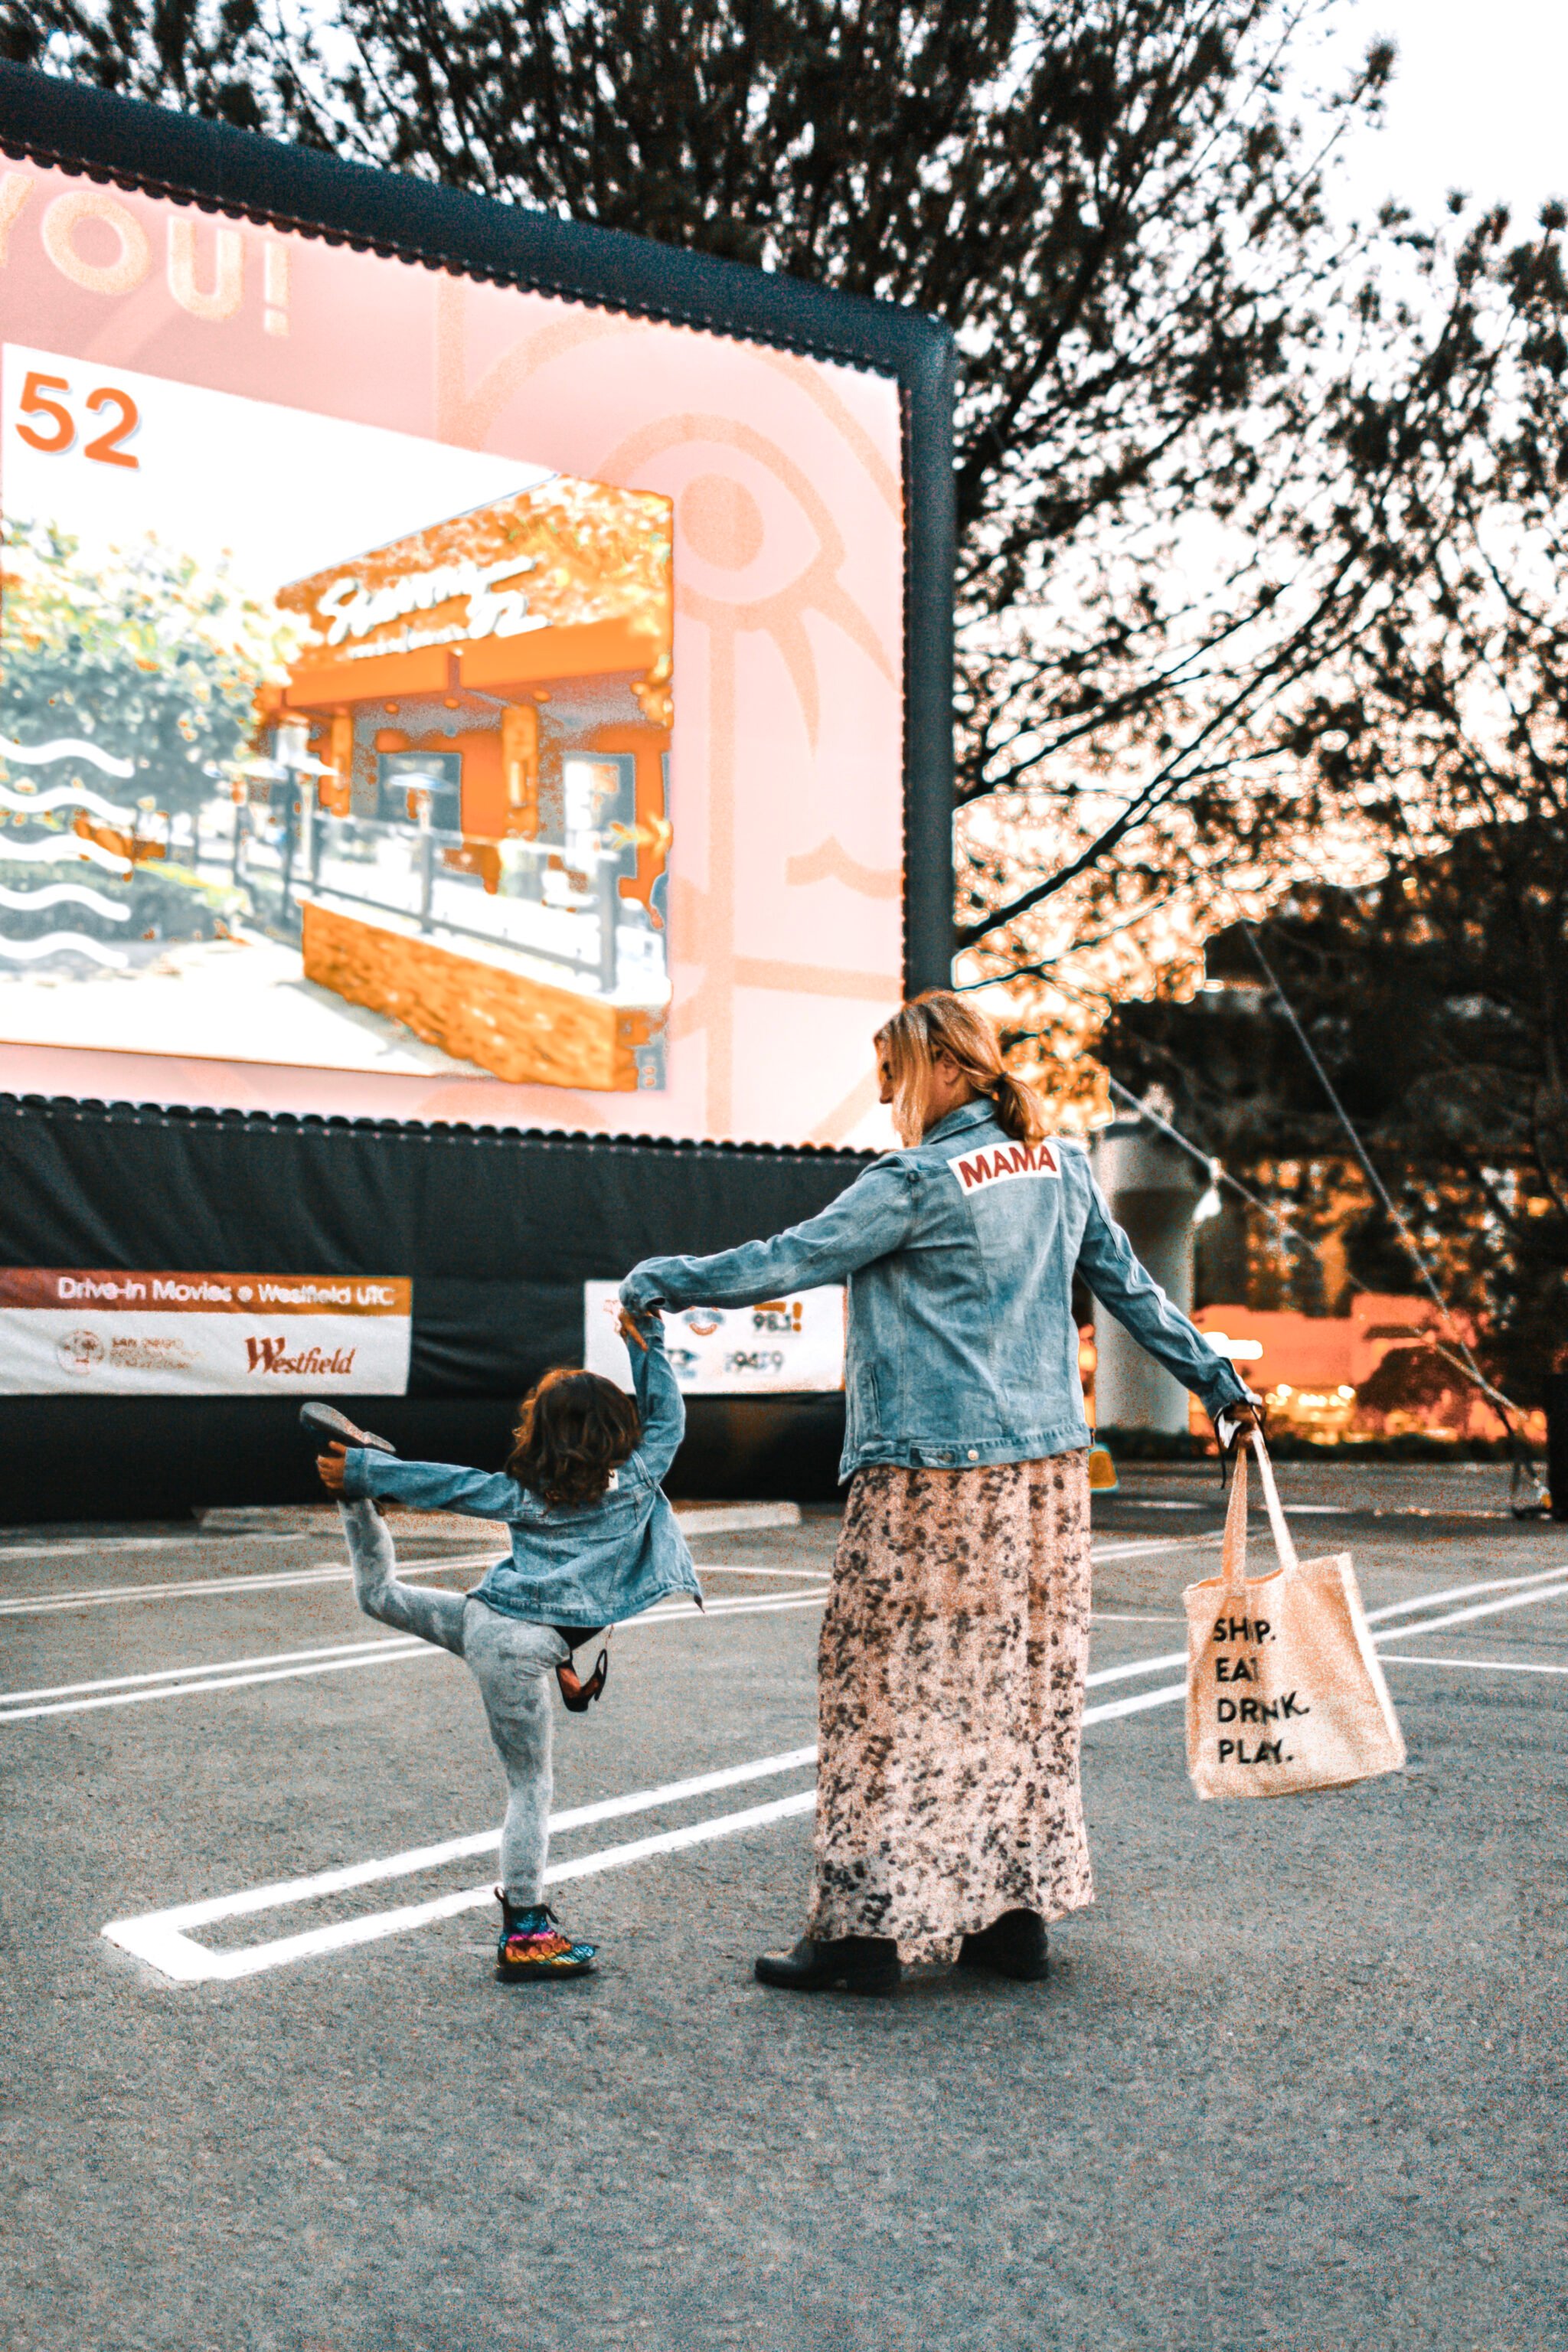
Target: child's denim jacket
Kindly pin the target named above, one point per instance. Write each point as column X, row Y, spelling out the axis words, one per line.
column 960, row 1256
column 582, row 1564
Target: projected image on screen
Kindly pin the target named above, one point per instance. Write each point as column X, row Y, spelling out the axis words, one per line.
column 324, row 744
column 366, row 627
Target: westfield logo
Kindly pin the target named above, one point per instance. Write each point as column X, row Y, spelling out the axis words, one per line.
column 308, row 1364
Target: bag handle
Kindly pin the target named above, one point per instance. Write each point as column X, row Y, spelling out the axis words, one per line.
column 1284, row 1542
column 1233, row 1553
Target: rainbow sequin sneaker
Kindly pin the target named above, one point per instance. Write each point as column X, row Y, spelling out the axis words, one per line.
column 531, row 1947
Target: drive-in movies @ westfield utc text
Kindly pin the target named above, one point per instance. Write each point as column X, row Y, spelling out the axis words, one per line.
column 432, row 700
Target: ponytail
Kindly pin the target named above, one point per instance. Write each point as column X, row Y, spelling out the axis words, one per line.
column 1020, row 1113
column 938, row 1023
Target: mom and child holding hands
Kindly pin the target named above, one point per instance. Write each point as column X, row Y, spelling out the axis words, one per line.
column 955, row 1644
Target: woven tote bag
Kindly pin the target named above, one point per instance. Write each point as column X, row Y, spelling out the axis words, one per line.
column 1285, row 1691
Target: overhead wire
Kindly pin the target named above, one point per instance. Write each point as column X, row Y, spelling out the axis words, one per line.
column 1217, row 1174
column 1528, row 1498
column 1375, row 1180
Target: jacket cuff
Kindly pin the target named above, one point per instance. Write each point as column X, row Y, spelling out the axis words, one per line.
column 639, row 1293
column 357, row 1465
column 1230, row 1404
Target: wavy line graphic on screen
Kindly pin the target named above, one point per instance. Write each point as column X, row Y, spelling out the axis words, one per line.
column 405, row 811
column 68, row 747
column 75, row 795
column 57, row 942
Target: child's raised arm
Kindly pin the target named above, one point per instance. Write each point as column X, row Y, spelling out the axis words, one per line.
column 428, row 1485
column 660, row 1404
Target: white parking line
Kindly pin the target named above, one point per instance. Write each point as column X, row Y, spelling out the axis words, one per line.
column 1462, row 1593
column 1477, row 1666
column 1151, row 1543
column 139, row 1543
column 79, row 1699
column 98, row 1596
column 162, row 1938
column 343, row 1658
column 44, row 1604
column 1483, row 1609
column 164, row 1941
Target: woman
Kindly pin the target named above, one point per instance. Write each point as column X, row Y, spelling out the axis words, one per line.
column 952, row 1665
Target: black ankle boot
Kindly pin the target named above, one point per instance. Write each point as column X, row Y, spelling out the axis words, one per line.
column 851, row 1964
column 1013, row 1945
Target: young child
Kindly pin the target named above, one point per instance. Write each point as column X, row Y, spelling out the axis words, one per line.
column 594, row 1540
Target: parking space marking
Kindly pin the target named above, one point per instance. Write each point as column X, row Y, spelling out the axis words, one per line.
column 1464, row 1616
column 142, row 1543
column 101, row 1595
column 128, row 1690
column 1151, row 1543
column 286, row 1665
column 43, row 1604
column 163, row 1939
column 1477, row 1665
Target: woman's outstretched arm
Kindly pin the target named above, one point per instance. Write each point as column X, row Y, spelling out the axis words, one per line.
column 870, row 1221
column 1125, row 1288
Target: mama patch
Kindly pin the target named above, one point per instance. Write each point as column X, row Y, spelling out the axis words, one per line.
column 1001, row 1166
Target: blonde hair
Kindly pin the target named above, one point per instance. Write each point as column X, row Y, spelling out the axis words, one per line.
column 936, row 1023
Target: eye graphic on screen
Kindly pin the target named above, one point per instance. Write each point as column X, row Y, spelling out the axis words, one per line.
column 759, row 547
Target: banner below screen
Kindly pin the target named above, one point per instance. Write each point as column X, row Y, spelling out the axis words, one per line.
column 73, row 1332
column 780, row 1347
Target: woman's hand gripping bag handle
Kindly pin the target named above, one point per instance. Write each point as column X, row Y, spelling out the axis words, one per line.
column 1285, row 1691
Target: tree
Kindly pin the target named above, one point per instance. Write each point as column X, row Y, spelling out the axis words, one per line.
column 1434, row 746
column 1115, row 204
column 140, row 652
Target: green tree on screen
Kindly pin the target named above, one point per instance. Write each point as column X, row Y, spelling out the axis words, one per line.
column 142, row 653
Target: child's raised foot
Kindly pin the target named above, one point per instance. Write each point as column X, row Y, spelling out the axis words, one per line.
column 532, row 1947
column 325, row 1421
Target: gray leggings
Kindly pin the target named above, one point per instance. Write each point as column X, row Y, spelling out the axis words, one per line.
column 512, row 1661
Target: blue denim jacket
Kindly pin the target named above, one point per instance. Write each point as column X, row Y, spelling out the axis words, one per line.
column 587, row 1564
column 960, row 1256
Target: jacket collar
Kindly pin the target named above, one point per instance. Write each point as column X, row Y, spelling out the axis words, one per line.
column 967, row 1114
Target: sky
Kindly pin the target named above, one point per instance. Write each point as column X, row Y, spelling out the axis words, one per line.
column 1477, row 104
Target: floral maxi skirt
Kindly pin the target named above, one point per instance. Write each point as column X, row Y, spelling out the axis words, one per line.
column 950, row 1677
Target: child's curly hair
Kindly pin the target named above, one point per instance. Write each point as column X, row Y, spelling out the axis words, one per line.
column 574, row 1429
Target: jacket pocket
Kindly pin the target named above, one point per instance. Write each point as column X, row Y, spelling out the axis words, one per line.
column 868, row 1402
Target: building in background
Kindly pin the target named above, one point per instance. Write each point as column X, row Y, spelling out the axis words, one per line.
column 1389, row 1368
column 473, row 742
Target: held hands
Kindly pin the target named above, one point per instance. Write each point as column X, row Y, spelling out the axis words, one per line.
column 329, row 1466
column 1243, row 1420
column 626, row 1325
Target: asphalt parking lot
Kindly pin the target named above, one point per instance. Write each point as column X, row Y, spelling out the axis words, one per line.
column 1295, row 2084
